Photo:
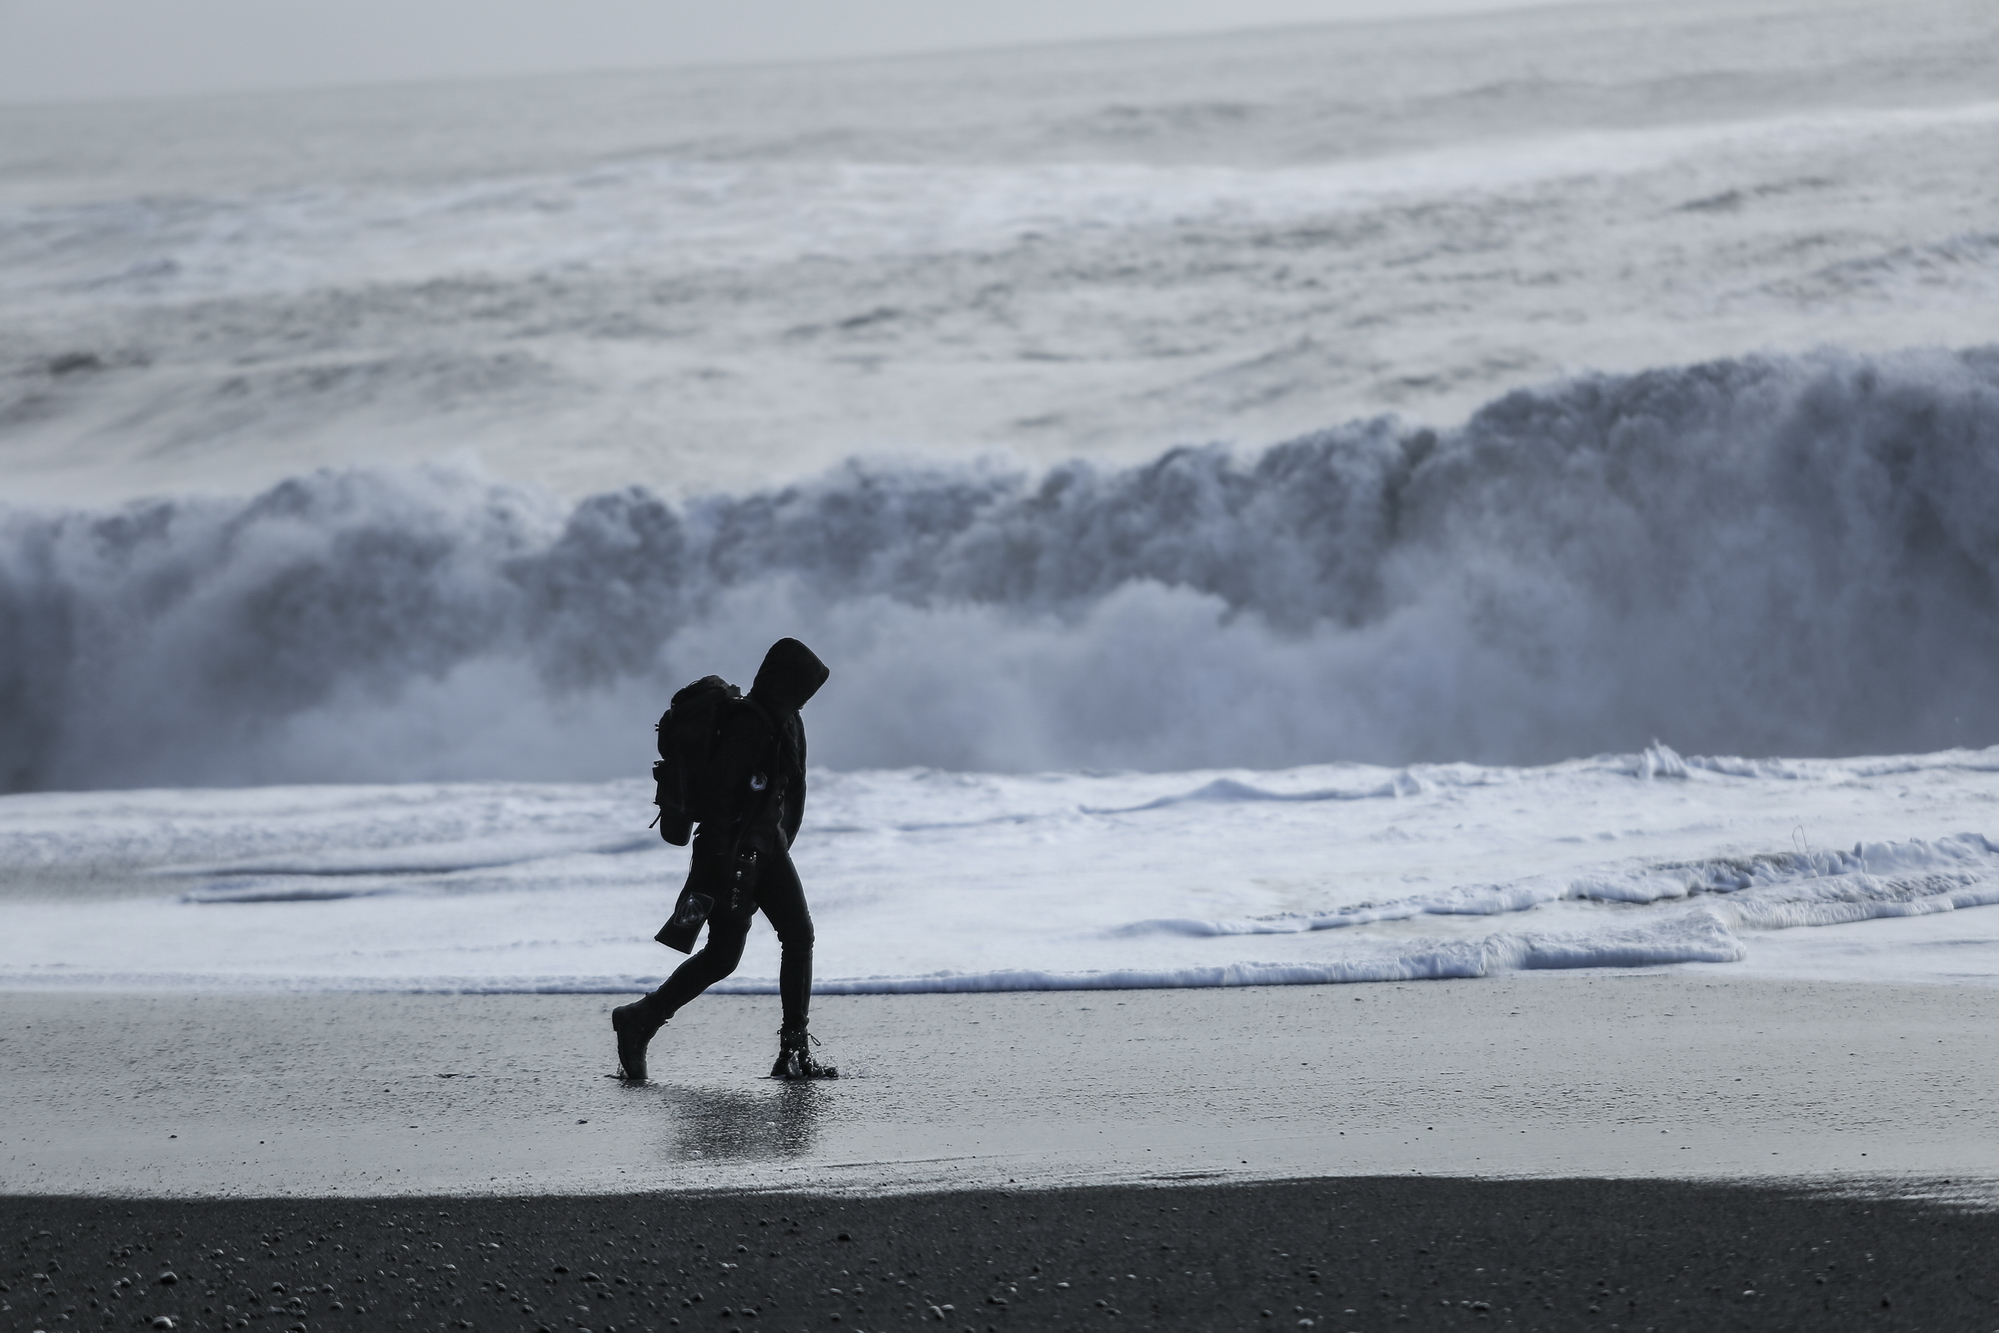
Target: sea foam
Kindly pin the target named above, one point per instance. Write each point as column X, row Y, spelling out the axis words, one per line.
column 924, row 880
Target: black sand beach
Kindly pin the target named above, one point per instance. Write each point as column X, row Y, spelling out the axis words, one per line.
column 1352, row 1254
column 1547, row 1152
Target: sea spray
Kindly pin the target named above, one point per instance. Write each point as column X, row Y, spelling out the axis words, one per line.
column 1792, row 556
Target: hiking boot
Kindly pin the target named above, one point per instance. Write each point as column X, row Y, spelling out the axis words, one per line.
column 634, row 1023
column 794, row 1061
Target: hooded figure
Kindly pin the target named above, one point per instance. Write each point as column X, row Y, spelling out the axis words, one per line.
column 742, row 864
column 789, row 676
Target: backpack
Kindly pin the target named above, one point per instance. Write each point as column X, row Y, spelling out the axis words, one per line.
column 685, row 788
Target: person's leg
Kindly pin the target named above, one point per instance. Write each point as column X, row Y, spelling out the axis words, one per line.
column 636, row 1023
column 717, row 959
column 782, row 899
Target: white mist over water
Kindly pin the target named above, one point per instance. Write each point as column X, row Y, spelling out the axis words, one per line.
column 1779, row 556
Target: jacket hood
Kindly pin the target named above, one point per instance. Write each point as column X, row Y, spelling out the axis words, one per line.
column 790, row 675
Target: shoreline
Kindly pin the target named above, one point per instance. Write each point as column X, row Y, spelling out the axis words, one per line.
column 1660, row 1076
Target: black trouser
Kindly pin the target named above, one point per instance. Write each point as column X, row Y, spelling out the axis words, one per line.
column 781, row 898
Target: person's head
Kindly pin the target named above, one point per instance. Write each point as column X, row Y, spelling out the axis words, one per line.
column 790, row 675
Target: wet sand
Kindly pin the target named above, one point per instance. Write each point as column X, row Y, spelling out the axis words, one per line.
column 1688, row 1075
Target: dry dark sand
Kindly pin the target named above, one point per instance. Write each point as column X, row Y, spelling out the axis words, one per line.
column 1357, row 1254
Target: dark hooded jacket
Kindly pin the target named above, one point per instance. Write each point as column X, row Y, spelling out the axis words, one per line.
column 761, row 754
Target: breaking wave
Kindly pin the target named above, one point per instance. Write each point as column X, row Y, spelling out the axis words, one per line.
column 1789, row 556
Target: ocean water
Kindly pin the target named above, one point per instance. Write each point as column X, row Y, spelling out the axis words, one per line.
column 926, row 880
column 725, row 280
column 1233, row 479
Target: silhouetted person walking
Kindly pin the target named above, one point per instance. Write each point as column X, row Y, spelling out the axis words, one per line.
column 754, row 777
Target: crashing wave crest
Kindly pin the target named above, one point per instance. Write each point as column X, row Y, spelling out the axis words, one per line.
column 1765, row 555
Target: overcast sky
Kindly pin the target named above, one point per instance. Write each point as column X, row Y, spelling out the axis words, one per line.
column 71, row 49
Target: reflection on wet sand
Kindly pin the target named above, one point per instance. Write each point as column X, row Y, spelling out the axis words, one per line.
column 708, row 1125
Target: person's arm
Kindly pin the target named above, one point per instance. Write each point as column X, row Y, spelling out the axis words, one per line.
column 794, row 800
column 794, row 810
